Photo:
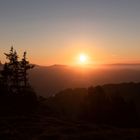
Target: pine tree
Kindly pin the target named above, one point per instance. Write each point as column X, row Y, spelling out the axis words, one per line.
column 12, row 68
column 25, row 66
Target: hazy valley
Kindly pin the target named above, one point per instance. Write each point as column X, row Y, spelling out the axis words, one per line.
column 49, row 80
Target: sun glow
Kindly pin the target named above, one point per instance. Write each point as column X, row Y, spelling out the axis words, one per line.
column 83, row 59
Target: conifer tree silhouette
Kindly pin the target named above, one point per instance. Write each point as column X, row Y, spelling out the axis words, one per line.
column 12, row 69
column 25, row 66
column 14, row 73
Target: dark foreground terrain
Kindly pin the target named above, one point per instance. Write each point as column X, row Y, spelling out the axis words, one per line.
column 96, row 113
column 38, row 127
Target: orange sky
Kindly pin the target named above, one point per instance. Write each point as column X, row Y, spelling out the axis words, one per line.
column 58, row 31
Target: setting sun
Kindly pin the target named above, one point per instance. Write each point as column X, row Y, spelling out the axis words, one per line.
column 83, row 58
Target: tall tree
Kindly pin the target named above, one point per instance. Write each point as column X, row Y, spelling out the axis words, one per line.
column 25, row 66
column 13, row 69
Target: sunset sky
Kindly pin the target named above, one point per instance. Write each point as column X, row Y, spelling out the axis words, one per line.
column 58, row 31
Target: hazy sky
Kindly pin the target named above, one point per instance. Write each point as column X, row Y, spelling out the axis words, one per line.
column 57, row 31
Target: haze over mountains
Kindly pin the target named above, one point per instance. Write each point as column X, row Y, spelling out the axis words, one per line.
column 49, row 80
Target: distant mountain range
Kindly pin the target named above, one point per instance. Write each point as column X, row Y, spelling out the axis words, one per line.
column 49, row 80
